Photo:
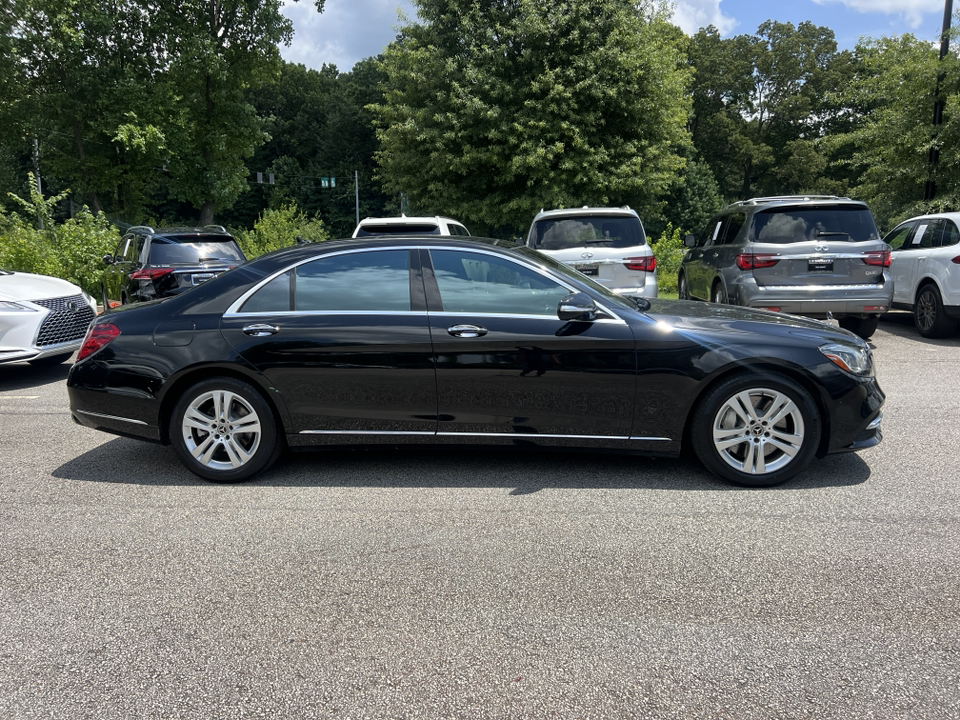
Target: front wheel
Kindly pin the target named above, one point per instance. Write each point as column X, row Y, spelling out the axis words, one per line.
column 223, row 430
column 756, row 430
column 929, row 316
column 719, row 294
column 862, row 327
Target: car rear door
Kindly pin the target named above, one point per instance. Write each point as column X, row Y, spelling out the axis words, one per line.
column 344, row 339
column 508, row 367
column 696, row 263
column 900, row 260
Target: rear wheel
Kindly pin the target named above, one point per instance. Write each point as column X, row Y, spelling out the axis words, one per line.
column 864, row 327
column 719, row 295
column 756, row 430
column 224, row 431
column 929, row 316
column 683, row 292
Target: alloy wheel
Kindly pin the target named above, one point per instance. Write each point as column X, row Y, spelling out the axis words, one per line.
column 221, row 430
column 758, row 431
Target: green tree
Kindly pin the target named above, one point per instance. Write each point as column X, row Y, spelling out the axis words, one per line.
column 496, row 109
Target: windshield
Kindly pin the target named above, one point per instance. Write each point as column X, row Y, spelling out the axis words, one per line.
column 167, row 251
column 847, row 223
column 618, row 231
column 568, row 272
column 398, row 229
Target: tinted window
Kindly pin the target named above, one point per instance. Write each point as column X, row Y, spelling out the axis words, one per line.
column 732, row 225
column 899, row 236
column 479, row 283
column 377, row 281
column 172, row 251
column 791, row 225
column 272, row 297
column 921, row 238
column 399, row 229
column 132, row 251
column 584, row 230
column 951, row 236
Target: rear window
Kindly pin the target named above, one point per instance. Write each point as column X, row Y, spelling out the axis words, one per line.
column 399, row 229
column 792, row 225
column 619, row 231
column 196, row 249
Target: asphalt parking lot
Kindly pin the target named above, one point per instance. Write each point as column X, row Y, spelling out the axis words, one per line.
column 482, row 583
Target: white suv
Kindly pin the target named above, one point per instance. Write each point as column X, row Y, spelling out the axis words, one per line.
column 925, row 267
column 607, row 244
column 404, row 225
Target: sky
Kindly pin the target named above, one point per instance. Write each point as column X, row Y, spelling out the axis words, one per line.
column 350, row 30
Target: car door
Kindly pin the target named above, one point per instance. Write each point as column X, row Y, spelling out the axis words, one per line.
column 899, row 240
column 508, row 367
column 696, row 263
column 344, row 339
column 116, row 279
column 911, row 256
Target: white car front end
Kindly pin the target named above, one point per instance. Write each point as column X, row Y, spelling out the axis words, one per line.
column 41, row 317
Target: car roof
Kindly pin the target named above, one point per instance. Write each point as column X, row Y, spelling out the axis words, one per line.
column 955, row 216
column 178, row 230
column 793, row 201
column 625, row 211
column 405, row 220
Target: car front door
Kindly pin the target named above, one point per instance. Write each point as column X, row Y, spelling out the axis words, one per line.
column 508, row 367
column 344, row 339
column 699, row 270
column 911, row 255
column 898, row 240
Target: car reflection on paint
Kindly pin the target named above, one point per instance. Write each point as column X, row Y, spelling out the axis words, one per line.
column 445, row 340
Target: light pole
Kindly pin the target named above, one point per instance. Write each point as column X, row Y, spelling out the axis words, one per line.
column 930, row 192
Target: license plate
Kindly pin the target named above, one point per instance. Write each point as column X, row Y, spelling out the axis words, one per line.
column 202, row 277
column 588, row 268
column 820, row 266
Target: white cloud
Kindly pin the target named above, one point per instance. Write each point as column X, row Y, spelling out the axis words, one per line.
column 912, row 11
column 346, row 32
column 691, row 15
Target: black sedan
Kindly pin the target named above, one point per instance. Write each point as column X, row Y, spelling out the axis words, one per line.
column 418, row 340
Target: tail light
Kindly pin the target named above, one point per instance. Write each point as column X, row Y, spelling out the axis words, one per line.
column 151, row 273
column 880, row 258
column 97, row 338
column 644, row 264
column 956, row 260
column 752, row 261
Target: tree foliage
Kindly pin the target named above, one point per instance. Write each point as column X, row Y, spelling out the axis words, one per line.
column 498, row 108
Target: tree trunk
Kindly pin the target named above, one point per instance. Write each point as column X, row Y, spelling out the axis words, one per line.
column 206, row 213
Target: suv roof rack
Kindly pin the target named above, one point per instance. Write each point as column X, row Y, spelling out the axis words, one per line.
column 141, row 228
column 215, row 228
column 786, row 198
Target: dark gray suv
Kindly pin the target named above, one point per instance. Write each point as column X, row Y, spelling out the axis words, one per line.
column 815, row 255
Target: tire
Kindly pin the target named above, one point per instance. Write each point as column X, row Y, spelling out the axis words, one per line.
column 51, row 360
column 929, row 316
column 683, row 291
column 863, row 327
column 787, row 445
column 719, row 295
column 204, row 431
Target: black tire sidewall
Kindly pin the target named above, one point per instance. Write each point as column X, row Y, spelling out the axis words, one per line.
column 701, row 429
column 270, row 445
column 941, row 325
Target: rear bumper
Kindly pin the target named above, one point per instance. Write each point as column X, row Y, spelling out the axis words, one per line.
column 818, row 300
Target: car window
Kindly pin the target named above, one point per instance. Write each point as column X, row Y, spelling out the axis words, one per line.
column 924, row 230
column 275, row 296
column 173, row 251
column 846, row 223
column 479, row 283
column 355, row 281
column 398, row 229
column 950, row 236
column 732, row 224
column 900, row 236
column 458, row 230
column 711, row 233
column 931, row 238
column 132, row 252
column 560, row 233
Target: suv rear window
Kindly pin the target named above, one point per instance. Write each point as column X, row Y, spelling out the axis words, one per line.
column 783, row 226
column 617, row 231
column 170, row 251
column 399, row 229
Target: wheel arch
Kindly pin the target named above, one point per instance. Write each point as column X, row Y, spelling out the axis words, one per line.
column 923, row 283
column 178, row 386
column 792, row 372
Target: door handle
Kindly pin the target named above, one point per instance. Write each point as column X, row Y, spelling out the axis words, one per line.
column 467, row 331
column 261, row 330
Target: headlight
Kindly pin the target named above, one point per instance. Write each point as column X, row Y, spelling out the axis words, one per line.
column 8, row 306
column 856, row 360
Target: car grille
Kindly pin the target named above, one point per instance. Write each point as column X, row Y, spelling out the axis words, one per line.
column 68, row 320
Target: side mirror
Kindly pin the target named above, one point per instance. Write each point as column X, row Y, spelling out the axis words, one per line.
column 577, row 307
column 108, row 259
column 690, row 240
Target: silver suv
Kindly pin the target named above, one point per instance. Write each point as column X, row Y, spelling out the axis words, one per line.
column 815, row 255
column 607, row 244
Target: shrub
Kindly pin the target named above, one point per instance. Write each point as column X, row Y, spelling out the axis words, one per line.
column 668, row 250
column 280, row 228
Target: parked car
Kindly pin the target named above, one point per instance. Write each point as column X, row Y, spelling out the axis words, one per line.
column 818, row 256
column 926, row 271
column 151, row 264
column 404, row 225
column 419, row 340
column 42, row 319
column 606, row 244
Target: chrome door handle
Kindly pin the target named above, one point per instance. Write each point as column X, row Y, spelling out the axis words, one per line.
column 261, row 330
column 467, row 331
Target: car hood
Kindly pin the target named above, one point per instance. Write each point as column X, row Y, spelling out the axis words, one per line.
column 20, row 286
column 694, row 315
